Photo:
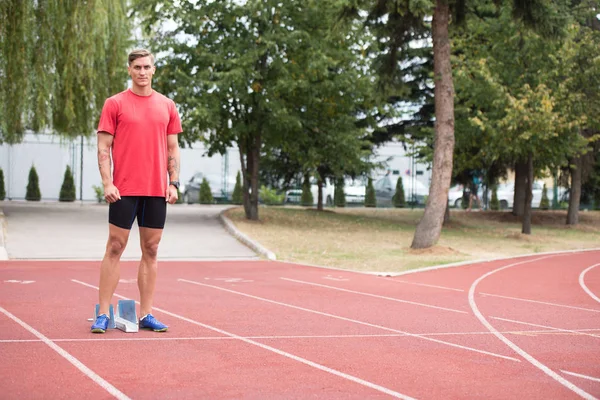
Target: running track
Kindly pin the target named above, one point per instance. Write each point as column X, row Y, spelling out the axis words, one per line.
column 521, row 328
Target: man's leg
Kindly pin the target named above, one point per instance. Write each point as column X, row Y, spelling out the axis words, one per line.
column 109, row 268
column 149, row 240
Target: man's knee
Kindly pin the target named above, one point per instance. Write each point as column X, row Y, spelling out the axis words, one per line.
column 116, row 246
column 150, row 249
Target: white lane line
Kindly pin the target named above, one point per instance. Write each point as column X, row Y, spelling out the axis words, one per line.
column 582, row 283
column 78, row 364
column 375, row 295
column 591, row 378
column 425, row 284
column 358, row 336
column 513, row 346
column 277, row 351
column 547, row 327
column 540, row 302
column 353, row 321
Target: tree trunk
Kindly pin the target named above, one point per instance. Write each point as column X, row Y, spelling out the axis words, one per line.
column 528, row 197
column 575, row 192
column 447, row 214
column 429, row 228
column 320, row 190
column 520, row 189
column 245, row 180
column 320, row 195
column 253, row 161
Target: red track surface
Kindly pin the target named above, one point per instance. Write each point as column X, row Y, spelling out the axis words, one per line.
column 519, row 328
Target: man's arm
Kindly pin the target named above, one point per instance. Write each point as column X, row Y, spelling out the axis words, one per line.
column 173, row 160
column 105, row 141
column 172, row 166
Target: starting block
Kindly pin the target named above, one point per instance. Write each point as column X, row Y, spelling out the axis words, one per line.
column 111, row 312
column 126, row 318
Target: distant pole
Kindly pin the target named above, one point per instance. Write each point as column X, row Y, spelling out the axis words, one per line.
column 81, row 171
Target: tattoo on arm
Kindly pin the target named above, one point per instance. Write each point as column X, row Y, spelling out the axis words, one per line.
column 173, row 166
column 103, row 157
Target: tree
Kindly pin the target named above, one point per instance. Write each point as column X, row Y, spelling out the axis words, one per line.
column 206, row 196
column 33, row 186
column 272, row 75
column 306, row 199
column 522, row 103
column 410, row 16
column 370, row 199
column 67, row 190
column 494, row 203
column 339, row 196
column 2, row 189
column 398, row 198
column 59, row 60
column 544, row 202
column 236, row 196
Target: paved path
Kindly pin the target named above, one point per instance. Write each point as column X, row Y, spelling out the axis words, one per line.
column 51, row 230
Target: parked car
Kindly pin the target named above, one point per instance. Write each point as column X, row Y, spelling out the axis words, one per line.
column 415, row 191
column 506, row 194
column 354, row 190
column 191, row 191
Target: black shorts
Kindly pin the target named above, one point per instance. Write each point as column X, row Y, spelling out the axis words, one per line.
column 151, row 212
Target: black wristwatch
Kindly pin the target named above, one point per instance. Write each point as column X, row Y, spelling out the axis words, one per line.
column 175, row 183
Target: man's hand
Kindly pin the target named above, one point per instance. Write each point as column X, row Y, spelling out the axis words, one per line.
column 171, row 194
column 111, row 193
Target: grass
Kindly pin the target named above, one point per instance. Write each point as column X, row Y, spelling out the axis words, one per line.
column 365, row 239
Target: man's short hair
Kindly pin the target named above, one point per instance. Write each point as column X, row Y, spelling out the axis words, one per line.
column 139, row 53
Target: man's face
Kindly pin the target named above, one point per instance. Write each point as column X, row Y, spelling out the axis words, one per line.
column 141, row 71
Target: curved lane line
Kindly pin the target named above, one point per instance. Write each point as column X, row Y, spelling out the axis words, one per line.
column 513, row 346
column 582, row 283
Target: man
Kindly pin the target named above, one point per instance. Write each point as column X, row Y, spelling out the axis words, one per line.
column 139, row 127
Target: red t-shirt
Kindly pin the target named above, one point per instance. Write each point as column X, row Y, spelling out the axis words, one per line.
column 140, row 125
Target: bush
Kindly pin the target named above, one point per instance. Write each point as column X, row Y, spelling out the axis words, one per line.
column 370, row 200
column 398, row 198
column 494, row 203
column 237, row 195
column 270, row 196
column 339, row 197
column 545, row 202
column 99, row 190
column 33, row 186
column 2, row 190
column 205, row 193
column 307, row 198
column 67, row 190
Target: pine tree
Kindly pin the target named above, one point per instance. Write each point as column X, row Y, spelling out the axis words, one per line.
column 398, row 199
column 33, row 186
column 370, row 200
column 237, row 196
column 2, row 190
column 67, row 191
column 494, row 203
column 205, row 193
column 339, row 197
column 307, row 198
column 545, row 202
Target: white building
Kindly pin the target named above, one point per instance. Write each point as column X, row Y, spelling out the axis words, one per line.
column 50, row 155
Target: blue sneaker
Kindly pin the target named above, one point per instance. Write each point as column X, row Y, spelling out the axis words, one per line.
column 149, row 322
column 101, row 324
